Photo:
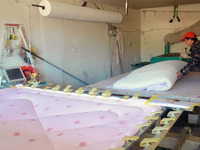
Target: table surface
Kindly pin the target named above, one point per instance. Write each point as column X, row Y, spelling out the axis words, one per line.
column 186, row 88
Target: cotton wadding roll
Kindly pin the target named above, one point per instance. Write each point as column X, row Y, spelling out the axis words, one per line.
column 63, row 10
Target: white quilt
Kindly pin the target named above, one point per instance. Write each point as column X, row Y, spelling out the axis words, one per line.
column 160, row 76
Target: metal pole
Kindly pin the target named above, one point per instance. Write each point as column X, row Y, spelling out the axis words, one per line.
column 126, row 8
column 43, row 7
column 54, row 65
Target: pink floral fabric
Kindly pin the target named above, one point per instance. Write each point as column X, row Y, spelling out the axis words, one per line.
column 46, row 120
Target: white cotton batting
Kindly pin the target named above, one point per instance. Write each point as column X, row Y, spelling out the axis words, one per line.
column 160, row 76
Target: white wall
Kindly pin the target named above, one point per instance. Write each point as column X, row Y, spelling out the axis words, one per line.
column 155, row 25
column 10, row 12
column 81, row 48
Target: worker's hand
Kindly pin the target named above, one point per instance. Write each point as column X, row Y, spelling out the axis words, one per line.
column 179, row 74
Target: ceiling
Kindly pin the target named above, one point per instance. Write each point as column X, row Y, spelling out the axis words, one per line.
column 140, row 4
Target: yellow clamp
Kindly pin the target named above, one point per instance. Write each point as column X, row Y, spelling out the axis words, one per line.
column 93, row 93
column 121, row 148
column 166, row 121
column 152, row 98
column 46, row 88
column 173, row 113
column 26, row 85
column 158, row 130
column 197, row 104
column 125, row 97
column 56, row 88
column 131, row 138
column 146, row 142
column 106, row 94
column 156, row 113
column 12, row 87
column 34, row 86
column 80, row 91
column 142, row 126
column 137, row 95
column 67, row 89
column 151, row 119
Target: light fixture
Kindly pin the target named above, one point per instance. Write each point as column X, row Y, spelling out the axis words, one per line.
column 175, row 15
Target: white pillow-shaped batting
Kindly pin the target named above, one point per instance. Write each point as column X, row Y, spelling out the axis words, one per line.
column 159, row 76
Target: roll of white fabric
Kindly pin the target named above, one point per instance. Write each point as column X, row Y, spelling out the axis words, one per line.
column 63, row 10
column 159, row 76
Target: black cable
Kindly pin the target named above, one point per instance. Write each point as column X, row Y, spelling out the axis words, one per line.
column 53, row 65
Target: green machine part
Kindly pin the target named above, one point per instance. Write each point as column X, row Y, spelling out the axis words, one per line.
column 167, row 48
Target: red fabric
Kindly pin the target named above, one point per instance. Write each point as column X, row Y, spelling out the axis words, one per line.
column 27, row 70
